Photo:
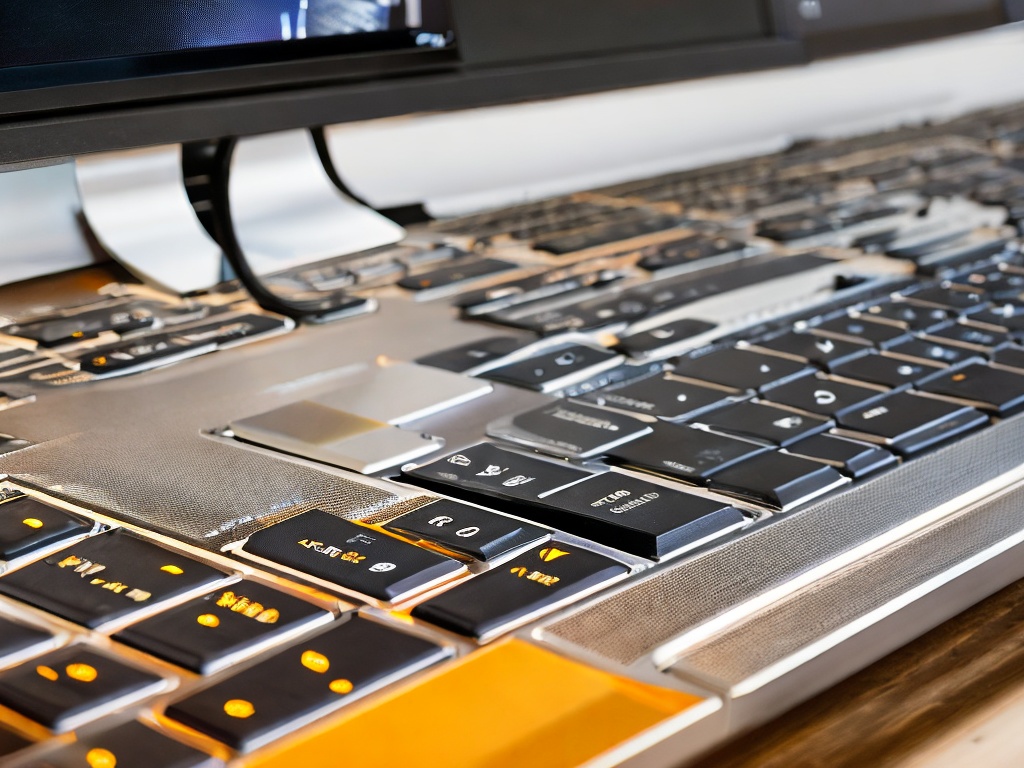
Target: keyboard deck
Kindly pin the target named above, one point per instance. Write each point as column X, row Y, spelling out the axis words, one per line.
column 604, row 479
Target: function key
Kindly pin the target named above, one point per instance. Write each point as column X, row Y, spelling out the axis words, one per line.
column 823, row 395
column 73, row 685
column 495, row 472
column 685, row 453
column 992, row 389
column 206, row 634
column 570, row 430
column 819, row 350
column 107, row 577
column 638, row 516
column 532, row 583
column 18, row 640
column 310, row 678
column 778, row 480
column 352, row 556
column 665, row 396
column 860, row 329
column 893, row 372
column 741, row 368
column 473, row 355
column 131, row 745
column 645, row 343
column 479, row 533
column 764, row 422
column 28, row 525
column 555, row 369
column 910, row 423
column 851, row 457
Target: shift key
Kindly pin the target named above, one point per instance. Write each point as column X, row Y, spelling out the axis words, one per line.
column 535, row 582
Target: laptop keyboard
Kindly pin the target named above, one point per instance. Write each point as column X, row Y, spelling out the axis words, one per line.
column 658, row 370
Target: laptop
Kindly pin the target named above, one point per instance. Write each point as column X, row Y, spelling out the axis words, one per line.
column 415, row 382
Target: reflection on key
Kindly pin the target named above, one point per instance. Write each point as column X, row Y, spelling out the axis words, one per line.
column 107, row 577
column 352, row 556
column 312, row 677
column 73, row 685
column 530, row 584
column 206, row 634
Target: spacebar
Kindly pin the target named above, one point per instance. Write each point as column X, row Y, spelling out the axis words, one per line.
column 676, row 606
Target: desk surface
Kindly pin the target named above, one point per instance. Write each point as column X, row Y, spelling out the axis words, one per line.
column 953, row 697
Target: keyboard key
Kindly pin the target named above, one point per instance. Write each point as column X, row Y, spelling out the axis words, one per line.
column 207, row 634
column 971, row 336
column 310, row 678
column 612, row 377
column 644, row 343
column 131, row 745
column 352, row 556
column 778, row 480
column 741, row 369
column 910, row 424
column 637, row 516
column 27, row 525
column 17, row 640
column 496, row 473
column 569, row 430
column 764, row 422
column 88, row 324
column 823, row 395
column 685, row 453
column 852, row 458
column 922, row 349
column 819, row 350
column 1011, row 357
column 665, row 396
column 953, row 297
column 887, row 371
column 602, row 234
column 449, row 278
column 860, row 329
column 998, row 391
column 73, row 685
column 689, row 250
column 469, row 356
column 906, row 315
column 469, row 530
column 550, row 371
column 532, row 583
column 107, row 577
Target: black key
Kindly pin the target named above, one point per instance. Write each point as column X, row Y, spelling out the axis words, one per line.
column 645, row 343
column 67, row 687
column 206, row 634
column 795, row 227
column 28, row 525
column 741, row 368
column 552, row 370
column 971, row 336
column 909, row 423
column 888, row 371
column 764, row 422
column 1006, row 314
column 991, row 389
column 689, row 250
column 663, row 396
column 131, row 745
column 472, row 355
column 570, row 430
column 909, row 316
column 495, row 473
column 778, row 480
column 55, row 331
column 587, row 315
column 352, row 556
column 310, row 678
column 472, row 531
column 637, row 516
column 535, row 288
column 18, row 639
column 685, row 452
column 106, row 577
column 951, row 297
column 532, row 583
column 451, row 277
column 922, row 349
column 622, row 374
column 1011, row 357
column 822, row 395
column 851, row 457
column 602, row 234
column 880, row 335
column 819, row 350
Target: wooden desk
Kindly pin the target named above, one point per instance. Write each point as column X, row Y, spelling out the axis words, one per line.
column 953, row 697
